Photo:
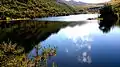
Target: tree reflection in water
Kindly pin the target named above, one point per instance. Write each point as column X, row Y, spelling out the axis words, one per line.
column 109, row 19
column 107, row 22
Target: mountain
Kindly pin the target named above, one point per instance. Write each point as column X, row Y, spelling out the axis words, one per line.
column 72, row 2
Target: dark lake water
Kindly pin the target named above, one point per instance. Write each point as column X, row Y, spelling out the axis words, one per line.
column 85, row 43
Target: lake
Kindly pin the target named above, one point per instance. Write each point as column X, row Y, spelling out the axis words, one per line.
column 79, row 42
column 79, row 17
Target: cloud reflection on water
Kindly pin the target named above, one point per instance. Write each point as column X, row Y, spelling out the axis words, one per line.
column 74, row 42
column 81, row 37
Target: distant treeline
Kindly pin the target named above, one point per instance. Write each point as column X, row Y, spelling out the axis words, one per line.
column 33, row 8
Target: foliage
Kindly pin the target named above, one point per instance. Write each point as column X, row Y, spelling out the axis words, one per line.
column 12, row 55
column 33, row 8
column 116, row 6
column 106, row 10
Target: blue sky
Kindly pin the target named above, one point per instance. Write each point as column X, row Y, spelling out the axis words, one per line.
column 92, row 1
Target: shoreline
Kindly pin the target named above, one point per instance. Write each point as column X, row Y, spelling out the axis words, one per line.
column 28, row 18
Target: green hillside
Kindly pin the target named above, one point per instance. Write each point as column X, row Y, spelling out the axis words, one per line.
column 116, row 6
column 33, row 8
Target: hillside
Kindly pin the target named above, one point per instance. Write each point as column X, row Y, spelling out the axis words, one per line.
column 116, row 5
column 33, row 8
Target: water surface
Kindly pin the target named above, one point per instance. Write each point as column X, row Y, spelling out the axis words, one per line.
column 85, row 43
column 79, row 17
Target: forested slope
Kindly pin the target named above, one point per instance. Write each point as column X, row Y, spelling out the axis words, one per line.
column 116, row 6
column 33, row 8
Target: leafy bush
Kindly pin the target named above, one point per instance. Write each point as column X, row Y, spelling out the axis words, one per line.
column 12, row 55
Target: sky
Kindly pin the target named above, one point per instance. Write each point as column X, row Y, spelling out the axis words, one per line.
column 92, row 1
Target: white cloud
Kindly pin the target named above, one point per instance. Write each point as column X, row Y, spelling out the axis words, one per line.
column 67, row 0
